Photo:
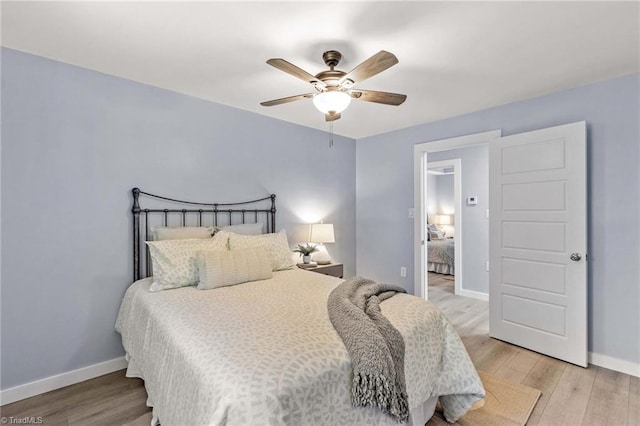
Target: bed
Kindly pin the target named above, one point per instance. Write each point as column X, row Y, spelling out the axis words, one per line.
column 440, row 257
column 265, row 352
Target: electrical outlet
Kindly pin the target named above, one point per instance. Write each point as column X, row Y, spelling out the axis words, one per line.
column 486, row 266
column 403, row 271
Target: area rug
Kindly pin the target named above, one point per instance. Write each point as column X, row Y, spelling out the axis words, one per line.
column 144, row 420
column 505, row 404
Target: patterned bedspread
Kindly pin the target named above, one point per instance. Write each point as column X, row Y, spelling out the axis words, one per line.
column 441, row 251
column 265, row 353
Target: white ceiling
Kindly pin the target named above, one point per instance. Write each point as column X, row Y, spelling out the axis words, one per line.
column 455, row 57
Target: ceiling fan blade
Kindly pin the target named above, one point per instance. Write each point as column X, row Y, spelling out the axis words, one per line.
column 370, row 67
column 289, row 68
column 286, row 100
column 332, row 117
column 378, row 97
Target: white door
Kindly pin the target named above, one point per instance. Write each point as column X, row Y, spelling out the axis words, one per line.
column 538, row 241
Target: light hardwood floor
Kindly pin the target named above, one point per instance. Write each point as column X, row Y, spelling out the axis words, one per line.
column 570, row 395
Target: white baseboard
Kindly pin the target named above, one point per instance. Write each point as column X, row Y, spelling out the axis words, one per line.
column 474, row 294
column 616, row 364
column 27, row 390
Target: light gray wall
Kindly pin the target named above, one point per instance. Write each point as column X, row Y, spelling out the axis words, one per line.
column 384, row 187
column 432, row 202
column 74, row 143
column 475, row 181
column 444, row 188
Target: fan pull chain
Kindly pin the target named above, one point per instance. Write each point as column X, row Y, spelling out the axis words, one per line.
column 331, row 135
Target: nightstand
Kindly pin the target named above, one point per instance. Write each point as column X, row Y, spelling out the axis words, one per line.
column 333, row 269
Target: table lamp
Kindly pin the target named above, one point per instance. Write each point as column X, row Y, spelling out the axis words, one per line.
column 322, row 233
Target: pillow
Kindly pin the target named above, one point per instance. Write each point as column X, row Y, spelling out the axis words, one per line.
column 226, row 268
column 161, row 233
column 174, row 261
column 431, row 228
column 243, row 229
column 437, row 235
column 276, row 246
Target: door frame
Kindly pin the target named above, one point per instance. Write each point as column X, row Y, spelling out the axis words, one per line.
column 420, row 154
column 456, row 163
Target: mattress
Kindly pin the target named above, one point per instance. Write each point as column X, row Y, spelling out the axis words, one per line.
column 265, row 353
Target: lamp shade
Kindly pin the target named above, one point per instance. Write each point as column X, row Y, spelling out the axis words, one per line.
column 322, row 233
column 442, row 219
column 331, row 102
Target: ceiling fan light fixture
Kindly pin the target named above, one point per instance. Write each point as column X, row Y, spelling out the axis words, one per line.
column 331, row 102
column 334, row 87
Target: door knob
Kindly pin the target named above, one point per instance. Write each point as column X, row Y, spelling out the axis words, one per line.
column 575, row 257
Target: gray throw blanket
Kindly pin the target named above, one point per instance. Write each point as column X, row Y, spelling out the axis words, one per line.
column 375, row 346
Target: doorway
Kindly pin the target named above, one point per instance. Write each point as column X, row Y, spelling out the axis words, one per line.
column 444, row 221
column 421, row 166
column 538, row 236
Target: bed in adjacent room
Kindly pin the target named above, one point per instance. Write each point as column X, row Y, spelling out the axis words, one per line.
column 440, row 252
column 230, row 351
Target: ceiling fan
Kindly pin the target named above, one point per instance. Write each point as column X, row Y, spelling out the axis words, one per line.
column 334, row 87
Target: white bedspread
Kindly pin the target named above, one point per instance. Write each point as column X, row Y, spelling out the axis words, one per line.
column 265, row 353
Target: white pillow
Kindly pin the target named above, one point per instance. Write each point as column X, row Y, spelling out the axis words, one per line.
column 226, row 268
column 243, row 228
column 174, row 261
column 276, row 246
column 436, row 235
column 161, row 233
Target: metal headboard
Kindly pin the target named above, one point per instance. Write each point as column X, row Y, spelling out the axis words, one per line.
column 209, row 214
